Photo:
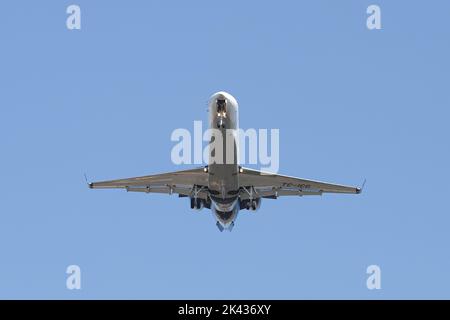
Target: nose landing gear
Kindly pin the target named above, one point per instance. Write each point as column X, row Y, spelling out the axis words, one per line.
column 221, row 123
column 221, row 113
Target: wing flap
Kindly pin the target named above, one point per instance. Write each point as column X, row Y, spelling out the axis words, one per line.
column 273, row 185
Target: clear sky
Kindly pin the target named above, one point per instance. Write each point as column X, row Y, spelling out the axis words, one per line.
column 350, row 104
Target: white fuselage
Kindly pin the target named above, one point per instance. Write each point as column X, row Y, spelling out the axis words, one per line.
column 223, row 166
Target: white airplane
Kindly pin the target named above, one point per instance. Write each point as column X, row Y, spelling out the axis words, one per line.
column 225, row 188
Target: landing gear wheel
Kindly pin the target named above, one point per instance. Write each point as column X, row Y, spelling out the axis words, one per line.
column 196, row 203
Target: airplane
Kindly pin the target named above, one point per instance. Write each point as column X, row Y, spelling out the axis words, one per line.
column 225, row 188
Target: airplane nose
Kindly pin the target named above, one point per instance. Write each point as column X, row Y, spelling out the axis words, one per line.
column 221, row 95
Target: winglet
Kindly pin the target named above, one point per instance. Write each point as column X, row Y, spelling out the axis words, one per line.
column 90, row 185
column 360, row 189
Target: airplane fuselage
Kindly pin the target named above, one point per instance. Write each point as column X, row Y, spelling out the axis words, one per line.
column 223, row 166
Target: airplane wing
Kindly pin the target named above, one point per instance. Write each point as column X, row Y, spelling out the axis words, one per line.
column 269, row 185
column 183, row 182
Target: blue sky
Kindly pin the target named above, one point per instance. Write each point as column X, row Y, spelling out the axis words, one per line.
column 350, row 104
